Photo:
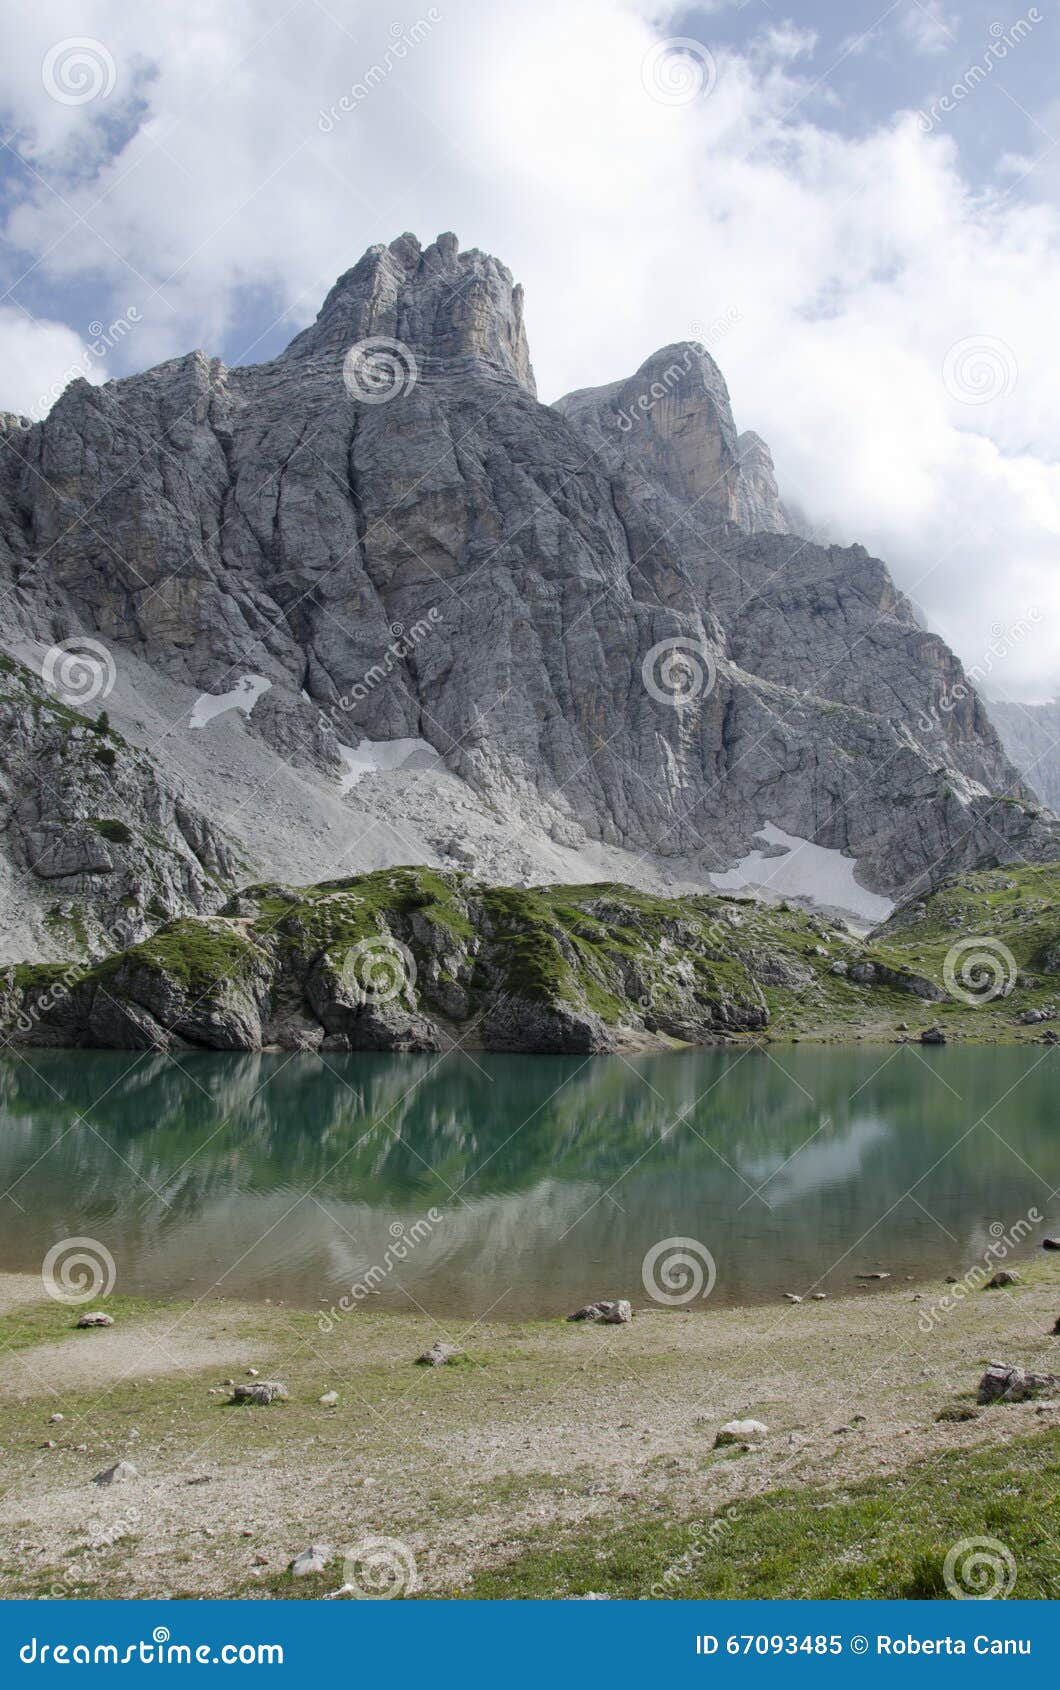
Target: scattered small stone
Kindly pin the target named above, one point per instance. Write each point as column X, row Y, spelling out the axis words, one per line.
column 1051, row 1243
column 228, row 1382
column 1003, row 1277
column 951, row 1279
column 260, row 1561
column 1047, row 1408
column 54, row 1419
column 119, row 1474
column 263, row 1392
column 96, row 1319
column 439, row 1355
column 841, row 1429
column 49, row 1443
column 902, row 1027
column 791, row 1297
column 739, row 1431
column 932, row 1036
column 200, row 1479
column 818, row 1296
column 858, row 1419
column 329, row 1399
column 312, row 1560
column 958, row 1414
column 605, row 1313
column 1056, row 1328
column 252, row 1372
column 872, row 1276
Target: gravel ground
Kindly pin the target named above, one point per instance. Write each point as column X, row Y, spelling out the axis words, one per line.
column 539, row 1423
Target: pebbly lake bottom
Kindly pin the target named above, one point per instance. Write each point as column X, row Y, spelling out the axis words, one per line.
column 521, row 1187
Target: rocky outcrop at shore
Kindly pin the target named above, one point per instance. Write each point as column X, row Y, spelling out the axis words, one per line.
column 415, row 960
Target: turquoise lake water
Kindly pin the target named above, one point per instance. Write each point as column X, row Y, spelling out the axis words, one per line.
column 551, row 1178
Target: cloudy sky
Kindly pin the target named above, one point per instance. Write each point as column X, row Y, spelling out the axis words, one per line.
column 857, row 206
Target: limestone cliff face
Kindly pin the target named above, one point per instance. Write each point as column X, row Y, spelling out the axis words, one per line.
column 96, row 833
column 621, row 640
column 672, row 421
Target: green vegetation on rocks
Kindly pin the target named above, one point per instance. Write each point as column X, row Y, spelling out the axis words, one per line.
column 411, row 958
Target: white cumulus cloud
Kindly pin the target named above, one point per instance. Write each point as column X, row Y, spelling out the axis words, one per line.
column 220, row 185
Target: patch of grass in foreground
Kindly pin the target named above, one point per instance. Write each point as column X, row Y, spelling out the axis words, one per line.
column 887, row 1537
column 28, row 1324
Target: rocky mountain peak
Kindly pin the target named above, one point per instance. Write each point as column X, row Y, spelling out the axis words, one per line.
column 672, row 420
column 448, row 307
column 592, row 620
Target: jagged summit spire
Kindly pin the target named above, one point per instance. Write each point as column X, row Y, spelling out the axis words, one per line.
column 447, row 306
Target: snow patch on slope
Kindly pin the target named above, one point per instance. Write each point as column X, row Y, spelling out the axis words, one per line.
column 243, row 696
column 380, row 756
column 805, row 870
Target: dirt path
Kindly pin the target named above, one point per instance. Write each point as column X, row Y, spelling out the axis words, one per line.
column 541, row 1423
column 17, row 1289
column 113, row 1355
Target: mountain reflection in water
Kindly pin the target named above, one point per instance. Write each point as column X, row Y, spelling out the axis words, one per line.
column 291, row 1177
